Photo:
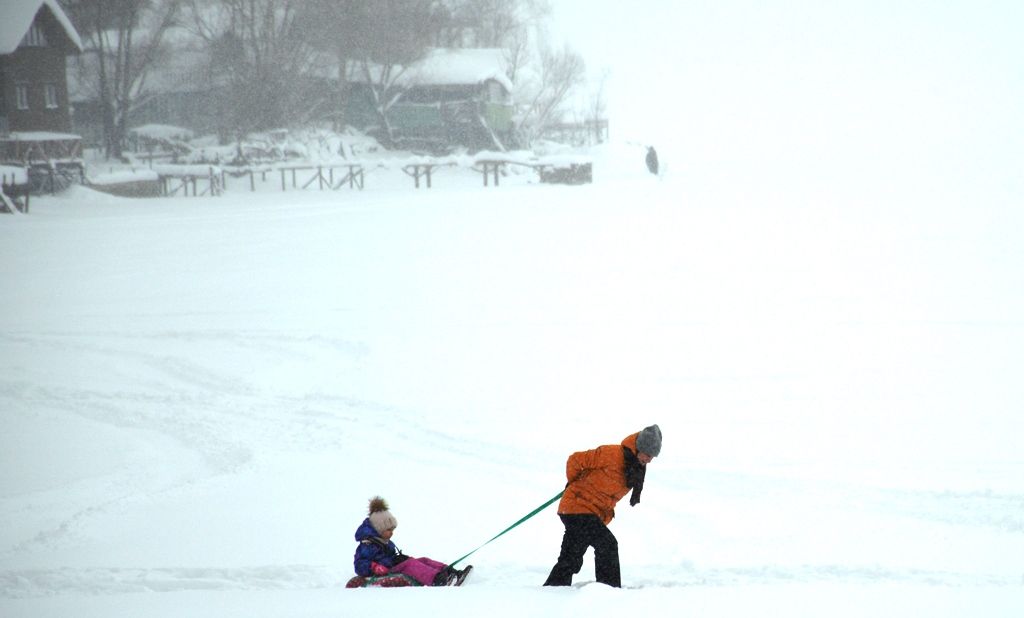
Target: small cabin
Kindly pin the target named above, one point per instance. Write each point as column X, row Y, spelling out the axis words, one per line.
column 36, row 36
column 450, row 97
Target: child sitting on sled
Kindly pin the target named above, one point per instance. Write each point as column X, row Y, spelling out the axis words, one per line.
column 377, row 556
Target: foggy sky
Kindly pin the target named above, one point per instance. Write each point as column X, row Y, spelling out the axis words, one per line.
column 877, row 94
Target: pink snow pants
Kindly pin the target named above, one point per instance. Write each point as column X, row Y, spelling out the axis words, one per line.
column 423, row 570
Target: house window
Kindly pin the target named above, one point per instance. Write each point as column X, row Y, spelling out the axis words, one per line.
column 50, row 90
column 21, row 96
column 34, row 37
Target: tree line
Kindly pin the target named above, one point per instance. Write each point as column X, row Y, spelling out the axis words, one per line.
column 262, row 53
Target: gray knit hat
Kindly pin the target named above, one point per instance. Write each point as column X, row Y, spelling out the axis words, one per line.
column 380, row 517
column 649, row 441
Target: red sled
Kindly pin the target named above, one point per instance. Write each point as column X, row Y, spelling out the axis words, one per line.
column 392, row 580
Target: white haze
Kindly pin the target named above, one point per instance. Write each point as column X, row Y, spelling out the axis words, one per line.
column 819, row 302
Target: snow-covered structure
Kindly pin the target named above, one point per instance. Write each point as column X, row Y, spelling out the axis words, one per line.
column 35, row 38
column 449, row 97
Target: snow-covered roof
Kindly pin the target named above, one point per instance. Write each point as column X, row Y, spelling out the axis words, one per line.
column 13, row 175
column 18, row 16
column 450, row 67
column 446, row 67
column 39, row 136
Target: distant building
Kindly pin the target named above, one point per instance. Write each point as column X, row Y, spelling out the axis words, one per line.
column 35, row 120
column 451, row 97
column 179, row 92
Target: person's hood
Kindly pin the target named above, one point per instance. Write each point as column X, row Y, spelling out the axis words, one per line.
column 365, row 531
column 630, row 442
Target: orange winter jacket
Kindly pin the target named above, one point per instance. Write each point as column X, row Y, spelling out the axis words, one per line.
column 597, row 480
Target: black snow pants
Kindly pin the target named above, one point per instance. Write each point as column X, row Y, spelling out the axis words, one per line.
column 581, row 532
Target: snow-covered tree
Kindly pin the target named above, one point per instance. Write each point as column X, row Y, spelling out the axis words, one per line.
column 260, row 55
column 545, row 88
column 373, row 42
column 124, row 40
column 544, row 77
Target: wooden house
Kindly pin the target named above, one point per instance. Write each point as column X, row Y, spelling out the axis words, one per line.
column 450, row 97
column 36, row 36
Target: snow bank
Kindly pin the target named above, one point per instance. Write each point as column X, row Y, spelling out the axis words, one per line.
column 186, row 170
column 163, row 132
column 124, row 176
column 10, row 175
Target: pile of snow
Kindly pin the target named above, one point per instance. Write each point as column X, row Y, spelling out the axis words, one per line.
column 308, row 145
column 12, row 175
column 123, row 176
column 618, row 161
column 168, row 169
column 162, row 132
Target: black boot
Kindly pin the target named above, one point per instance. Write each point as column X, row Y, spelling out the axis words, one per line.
column 444, row 577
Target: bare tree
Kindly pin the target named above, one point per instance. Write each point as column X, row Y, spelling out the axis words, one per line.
column 597, row 111
column 123, row 41
column 490, row 23
column 545, row 78
column 388, row 38
column 373, row 42
column 511, row 25
column 558, row 73
column 331, row 27
column 260, row 56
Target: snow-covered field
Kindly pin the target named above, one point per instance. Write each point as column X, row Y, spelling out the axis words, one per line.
column 198, row 396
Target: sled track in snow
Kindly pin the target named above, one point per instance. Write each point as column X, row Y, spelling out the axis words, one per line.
column 111, row 581
column 49, row 582
column 828, row 573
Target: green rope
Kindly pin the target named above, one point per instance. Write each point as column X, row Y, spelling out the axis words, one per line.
column 528, row 516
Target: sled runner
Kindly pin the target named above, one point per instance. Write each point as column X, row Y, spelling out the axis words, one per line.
column 392, row 580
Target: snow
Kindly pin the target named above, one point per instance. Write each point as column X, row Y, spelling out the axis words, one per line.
column 162, row 131
column 40, row 136
column 172, row 169
column 447, row 67
column 199, row 395
column 18, row 17
column 124, row 176
column 11, row 175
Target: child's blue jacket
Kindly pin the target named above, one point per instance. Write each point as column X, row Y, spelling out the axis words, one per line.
column 372, row 548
